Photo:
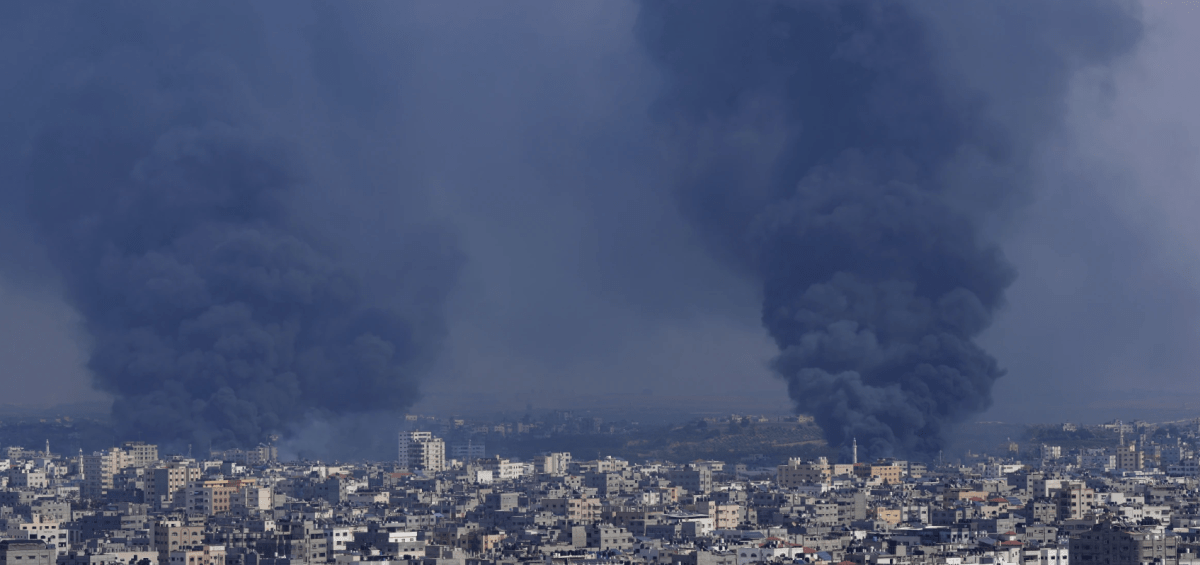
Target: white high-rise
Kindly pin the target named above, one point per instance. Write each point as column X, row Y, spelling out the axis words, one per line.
column 421, row 451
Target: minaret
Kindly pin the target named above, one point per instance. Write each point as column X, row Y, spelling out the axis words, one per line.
column 854, row 451
column 47, row 449
column 1121, row 431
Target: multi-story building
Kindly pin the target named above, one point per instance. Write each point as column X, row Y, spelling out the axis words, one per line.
column 1074, row 500
column 1050, row 452
column 1109, row 545
column 422, row 451
column 884, row 472
column 252, row 497
column 306, row 542
column 172, row 536
column 48, row 531
column 26, row 552
column 553, row 463
column 139, row 454
column 798, row 472
column 695, row 480
column 577, row 510
column 468, row 452
column 99, row 468
column 255, row 456
column 206, row 555
column 1130, row 458
column 27, row 478
column 606, row 537
column 503, row 469
column 213, row 496
column 165, row 485
column 725, row 516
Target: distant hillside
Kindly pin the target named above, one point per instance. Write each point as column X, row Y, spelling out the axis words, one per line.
column 767, row 442
column 67, row 435
column 95, row 410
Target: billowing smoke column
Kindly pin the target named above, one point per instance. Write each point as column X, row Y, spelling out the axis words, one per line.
column 848, row 155
column 155, row 173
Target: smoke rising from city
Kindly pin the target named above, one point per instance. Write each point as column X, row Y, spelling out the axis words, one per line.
column 270, row 216
column 172, row 208
column 851, row 157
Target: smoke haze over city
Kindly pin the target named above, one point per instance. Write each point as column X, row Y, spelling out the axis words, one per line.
column 240, row 219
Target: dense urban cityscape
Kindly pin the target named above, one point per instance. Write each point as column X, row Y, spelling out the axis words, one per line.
column 620, row 282
column 1113, row 494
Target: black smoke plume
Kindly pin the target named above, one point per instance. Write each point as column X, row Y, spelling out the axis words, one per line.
column 161, row 163
column 851, row 157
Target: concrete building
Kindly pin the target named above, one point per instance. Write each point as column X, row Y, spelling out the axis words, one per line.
column 577, row 510
column 421, row 451
column 171, row 536
column 798, row 472
column 1130, row 458
column 26, row 552
column 607, row 537
column 206, row 555
column 252, row 497
column 695, row 480
column 468, row 452
column 99, row 468
column 165, row 485
column 47, row 531
column 883, row 472
column 260, row 455
column 1074, row 500
column 502, row 469
column 553, row 463
column 213, row 496
column 27, row 478
column 139, row 454
column 1108, row 545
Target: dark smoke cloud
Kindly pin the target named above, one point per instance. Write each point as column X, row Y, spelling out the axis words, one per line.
column 526, row 125
column 172, row 172
column 854, row 158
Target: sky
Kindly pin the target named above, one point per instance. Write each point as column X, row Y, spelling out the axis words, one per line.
column 532, row 144
column 1103, row 316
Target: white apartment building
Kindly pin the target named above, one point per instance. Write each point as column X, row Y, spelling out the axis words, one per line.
column 252, row 497
column 27, row 478
column 503, row 469
column 48, row 531
column 165, row 484
column 553, row 463
column 422, row 451
column 139, row 454
column 99, row 469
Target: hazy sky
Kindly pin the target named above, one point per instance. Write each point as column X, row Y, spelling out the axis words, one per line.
column 1106, row 303
column 1108, row 254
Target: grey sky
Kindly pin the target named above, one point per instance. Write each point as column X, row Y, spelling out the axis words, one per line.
column 1107, row 255
column 1104, row 315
